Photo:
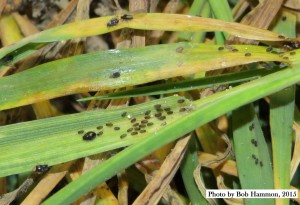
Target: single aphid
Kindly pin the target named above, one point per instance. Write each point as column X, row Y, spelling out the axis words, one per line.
column 292, row 53
column 150, row 124
column 142, row 131
column 7, row 59
column 180, row 101
column 115, row 75
column 247, row 54
column 253, row 156
column 157, row 114
column 137, row 128
column 182, row 109
column 99, row 127
column 256, row 161
column 89, row 136
column 251, row 127
column 179, row 49
column 261, row 163
column 283, row 18
column 133, row 120
column 127, row 17
column 80, row 132
column 142, row 126
column 99, row 133
column 109, row 124
column 285, row 58
column 148, row 112
column 162, row 118
column 124, row 114
column 157, row 106
column 41, row 168
column 123, row 136
column 269, row 49
column 134, row 133
column 221, row 48
column 167, row 109
column 112, row 22
column 170, row 112
column 116, row 128
column 234, row 50
column 144, row 121
column 136, row 124
column 130, row 129
column 147, row 117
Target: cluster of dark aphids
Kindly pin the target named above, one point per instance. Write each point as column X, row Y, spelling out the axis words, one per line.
column 114, row 21
column 137, row 125
column 255, row 144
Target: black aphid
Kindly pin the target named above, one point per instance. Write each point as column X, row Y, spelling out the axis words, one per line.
column 179, row 49
column 157, row 106
column 7, row 59
column 124, row 114
column 292, row 53
column 89, row 136
column 148, row 112
column 221, row 48
column 80, row 132
column 157, row 114
column 142, row 131
column 142, row 126
column 136, row 124
column 123, row 136
column 285, row 58
column 182, row 109
column 283, row 18
column 109, row 124
column 162, row 118
column 112, row 22
column 41, row 168
column 115, row 75
column 134, row 133
column 99, row 127
column 251, row 127
column 256, row 161
column 159, row 110
column 234, row 50
column 253, row 156
column 261, row 163
column 127, row 17
column 180, row 101
column 130, row 129
column 147, row 117
column 137, row 128
column 99, row 133
column 167, row 109
column 133, row 120
column 281, row 37
column 144, row 121
column 150, row 124
column 170, row 112
column 269, row 49
column 247, row 54
column 116, row 128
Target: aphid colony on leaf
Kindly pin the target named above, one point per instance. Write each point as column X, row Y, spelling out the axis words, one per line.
column 137, row 125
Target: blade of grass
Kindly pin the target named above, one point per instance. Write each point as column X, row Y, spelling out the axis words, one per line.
column 187, row 85
column 127, row 67
column 150, row 21
column 206, row 110
column 56, row 140
column 187, row 167
column 282, row 106
column 251, row 150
